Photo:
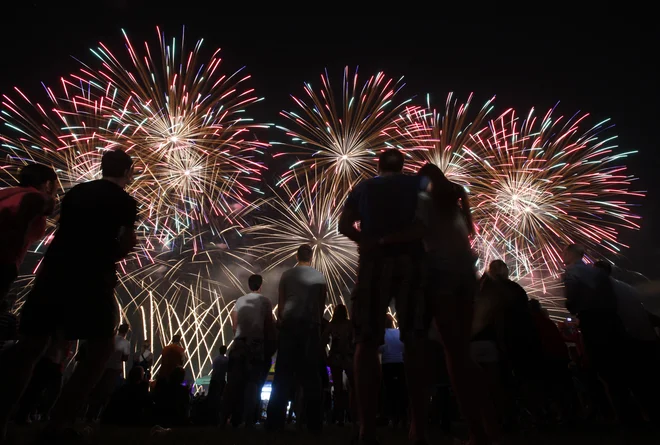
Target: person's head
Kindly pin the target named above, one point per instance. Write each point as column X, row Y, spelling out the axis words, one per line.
column 145, row 344
column 304, row 254
column 178, row 376
column 254, row 282
column 535, row 306
column 117, row 166
column 447, row 195
column 605, row 266
column 123, row 329
column 176, row 339
column 390, row 162
column 340, row 313
column 135, row 375
column 222, row 350
column 40, row 177
column 389, row 322
column 573, row 254
column 498, row 269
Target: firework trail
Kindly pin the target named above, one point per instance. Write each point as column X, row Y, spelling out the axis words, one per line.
column 543, row 183
column 342, row 138
column 305, row 211
column 443, row 138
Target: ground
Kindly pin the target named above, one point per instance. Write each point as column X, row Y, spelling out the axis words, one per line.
column 330, row 436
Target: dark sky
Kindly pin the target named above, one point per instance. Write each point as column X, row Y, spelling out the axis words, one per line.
column 607, row 67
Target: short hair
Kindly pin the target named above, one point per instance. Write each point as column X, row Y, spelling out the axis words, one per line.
column 575, row 249
column 305, row 253
column 124, row 328
column 222, row 350
column 390, row 161
column 135, row 375
column 605, row 266
column 115, row 163
column 254, row 282
column 36, row 175
column 176, row 338
column 498, row 268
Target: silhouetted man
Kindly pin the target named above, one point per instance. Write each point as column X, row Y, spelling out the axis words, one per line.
column 73, row 293
column 383, row 206
column 302, row 293
column 252, row 321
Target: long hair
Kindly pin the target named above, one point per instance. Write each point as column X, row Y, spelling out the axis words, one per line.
column 447, row 195
column 339, row 314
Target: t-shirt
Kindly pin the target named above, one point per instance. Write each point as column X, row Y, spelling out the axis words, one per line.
column 172, row 357
column 385, row 205
column 220, row 366
column 91, row 218
column 10, row 202
column 303, row 287
column 392, row 349
column 122, row 348
column 252, row 310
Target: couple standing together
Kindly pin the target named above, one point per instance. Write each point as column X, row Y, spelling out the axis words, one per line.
column 415, row 249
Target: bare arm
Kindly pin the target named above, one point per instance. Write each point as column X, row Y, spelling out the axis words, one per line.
column 349, row 216
column 234, row 321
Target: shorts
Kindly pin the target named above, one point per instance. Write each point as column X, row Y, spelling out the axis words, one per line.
column 246, row 357
column 76, row 307
column 382, row 279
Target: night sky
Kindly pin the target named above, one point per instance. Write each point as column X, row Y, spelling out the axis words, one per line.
column 606, row 67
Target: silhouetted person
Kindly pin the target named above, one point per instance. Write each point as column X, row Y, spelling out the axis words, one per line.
column 131, row 404
column 340, row 359
column 112, row 376
column 144, row 359
column 590, row 295
column 172, row 357
column 23, row 212
column 252, row 321
column 383, row 206
column 172, row 400
column 642, row 347
column 218, row 380
column 301, row 303
column 73, row 291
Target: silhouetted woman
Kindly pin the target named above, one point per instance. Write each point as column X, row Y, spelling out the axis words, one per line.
column 445, row 226
column 340, row 358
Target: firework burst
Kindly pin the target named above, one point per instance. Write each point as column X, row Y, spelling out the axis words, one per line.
column 342, row 138
column 443, row 138
column 307, row 213
column 544, row 183
column 181, row 119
